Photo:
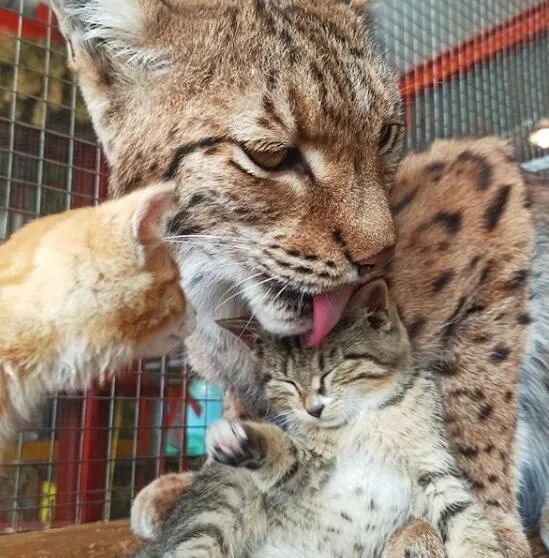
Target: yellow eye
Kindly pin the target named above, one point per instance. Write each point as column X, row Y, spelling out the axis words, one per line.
column 268, row 160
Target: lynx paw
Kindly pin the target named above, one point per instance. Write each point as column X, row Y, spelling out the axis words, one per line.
column 232, row 443
column 153, row 503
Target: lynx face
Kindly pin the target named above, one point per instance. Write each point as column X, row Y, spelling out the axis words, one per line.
column 277, row 119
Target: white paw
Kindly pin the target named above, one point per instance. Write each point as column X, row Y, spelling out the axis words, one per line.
column 142, row 516
column 226, row 440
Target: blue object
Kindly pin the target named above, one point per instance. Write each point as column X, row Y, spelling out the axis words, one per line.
column 210, row 402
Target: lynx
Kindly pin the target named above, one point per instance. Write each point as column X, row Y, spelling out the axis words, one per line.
column 284, row 125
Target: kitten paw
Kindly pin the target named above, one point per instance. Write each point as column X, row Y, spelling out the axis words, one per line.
column 417, row 539
column 232, row 443
column 154, row 502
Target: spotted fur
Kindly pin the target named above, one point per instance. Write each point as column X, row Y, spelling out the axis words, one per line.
column 466, row 308
column 360, row 451
column 195, row 88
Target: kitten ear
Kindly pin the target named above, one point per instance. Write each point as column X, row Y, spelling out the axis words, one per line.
column 373, row 296
column 374, row 299
column 155, row 204
column 244, row 329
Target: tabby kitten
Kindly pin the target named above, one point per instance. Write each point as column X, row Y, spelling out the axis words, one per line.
column 82, row 293
column 353, row 451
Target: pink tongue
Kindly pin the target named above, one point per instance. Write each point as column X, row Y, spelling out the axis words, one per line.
column 327, row 310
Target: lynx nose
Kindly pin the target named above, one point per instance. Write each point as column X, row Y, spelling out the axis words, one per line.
column 375, row 262
column 315, row 410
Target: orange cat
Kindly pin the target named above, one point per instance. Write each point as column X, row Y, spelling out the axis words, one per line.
column 82, row 293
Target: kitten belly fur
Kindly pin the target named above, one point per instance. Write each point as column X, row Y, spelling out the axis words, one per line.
column 353, row 515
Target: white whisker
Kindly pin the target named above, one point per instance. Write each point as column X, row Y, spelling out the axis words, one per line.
column 241, row 291
column 253, row 314
column 279, row 293
column 233, row 287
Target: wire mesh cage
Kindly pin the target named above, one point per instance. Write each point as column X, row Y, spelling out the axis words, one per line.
column 85, row 456
column 467, row 68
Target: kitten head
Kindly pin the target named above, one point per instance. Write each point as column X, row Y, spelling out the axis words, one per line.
column 354, row 370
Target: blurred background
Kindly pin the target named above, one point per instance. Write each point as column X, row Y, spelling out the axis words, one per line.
column 472, row 67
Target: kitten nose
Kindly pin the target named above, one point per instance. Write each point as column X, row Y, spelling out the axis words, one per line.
column 375, row 262
column 315, row 410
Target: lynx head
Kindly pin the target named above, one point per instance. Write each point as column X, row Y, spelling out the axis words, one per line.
column 356, row 368
column 278, row 120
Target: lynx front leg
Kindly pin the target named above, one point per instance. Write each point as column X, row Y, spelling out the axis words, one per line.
column 462, row 222
column 417, row 539
column 479, row 392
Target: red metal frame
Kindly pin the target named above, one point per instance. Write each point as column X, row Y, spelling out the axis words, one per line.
column 35, row 28
column 480, row 48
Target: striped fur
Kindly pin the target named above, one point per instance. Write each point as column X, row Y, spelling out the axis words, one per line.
column 340, row 484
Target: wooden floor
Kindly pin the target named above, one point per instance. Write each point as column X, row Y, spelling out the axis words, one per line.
column 98, row 540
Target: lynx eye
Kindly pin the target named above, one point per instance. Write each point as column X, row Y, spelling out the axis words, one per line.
column 388, row 137
column 268, row 160
column 275, row 159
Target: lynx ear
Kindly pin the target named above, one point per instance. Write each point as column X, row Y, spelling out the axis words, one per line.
column 244, row 329
column 154, row 206
column 109, row 42
column 101, row 28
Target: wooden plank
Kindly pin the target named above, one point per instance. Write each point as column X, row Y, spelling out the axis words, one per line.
column 99, row 540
